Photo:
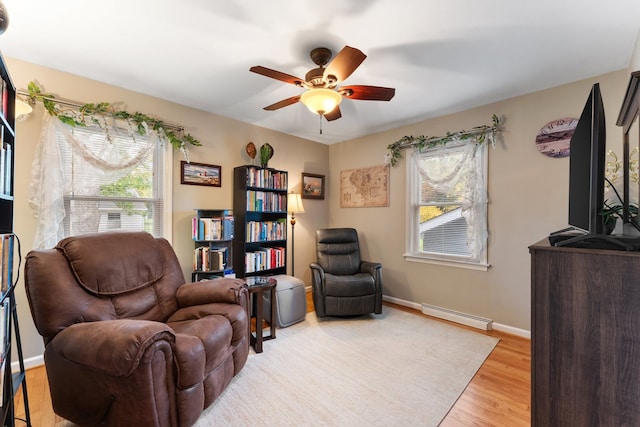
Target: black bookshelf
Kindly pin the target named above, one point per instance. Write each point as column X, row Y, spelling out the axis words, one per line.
column 12, row 382
column 260, row 210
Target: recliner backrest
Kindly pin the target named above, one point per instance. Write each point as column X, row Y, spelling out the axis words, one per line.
column 338, row 250
column 102, row 276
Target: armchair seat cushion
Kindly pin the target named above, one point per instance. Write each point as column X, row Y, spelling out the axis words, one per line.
column 214, row 334
column 357, row 285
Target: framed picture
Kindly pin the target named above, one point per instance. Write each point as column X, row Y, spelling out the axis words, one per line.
column 312, row 186
column 200, row 174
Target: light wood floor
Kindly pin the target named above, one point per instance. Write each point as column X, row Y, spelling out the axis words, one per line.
column 498, row 395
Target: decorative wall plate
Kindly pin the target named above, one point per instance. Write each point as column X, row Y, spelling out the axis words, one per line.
column 554, row 137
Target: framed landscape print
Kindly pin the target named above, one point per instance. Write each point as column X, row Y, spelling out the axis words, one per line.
column 200, row 174
column 312, row 186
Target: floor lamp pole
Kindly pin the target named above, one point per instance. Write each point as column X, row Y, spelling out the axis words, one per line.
column 294, row 205
column 293, row 241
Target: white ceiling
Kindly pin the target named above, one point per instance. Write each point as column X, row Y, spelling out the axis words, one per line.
column 441, row 56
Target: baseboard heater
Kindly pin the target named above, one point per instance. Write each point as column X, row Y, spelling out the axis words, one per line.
column 457, row 317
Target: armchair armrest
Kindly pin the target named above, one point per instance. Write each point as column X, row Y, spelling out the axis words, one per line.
column 316, row 269
column 226, row 290
column 114, row 347
column 372, row 268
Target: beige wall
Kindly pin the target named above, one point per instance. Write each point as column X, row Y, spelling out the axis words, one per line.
column 635, row 57
column 528, row 200
column 528, row 191
column 223, row 144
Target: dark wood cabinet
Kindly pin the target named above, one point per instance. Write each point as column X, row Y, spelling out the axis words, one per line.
column 585, row 337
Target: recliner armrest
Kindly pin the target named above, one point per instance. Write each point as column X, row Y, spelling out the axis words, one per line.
column 317, row 272
column 226, row 290
column 114, row 347
column 370, row 267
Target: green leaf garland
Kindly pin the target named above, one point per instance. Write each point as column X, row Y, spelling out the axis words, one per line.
column 90, row 113
column 479, row 133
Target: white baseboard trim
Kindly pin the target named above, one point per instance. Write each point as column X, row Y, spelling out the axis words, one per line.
column 512, row 331
column 496, row 326
column 31, row 362
column 402, row 302
column 466, row 319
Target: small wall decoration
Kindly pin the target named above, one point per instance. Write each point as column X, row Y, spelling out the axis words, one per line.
column 200, row 174
column 367, row 187
column 266, row 153
column 312, row 186
column 554, row 137
column 251, row 151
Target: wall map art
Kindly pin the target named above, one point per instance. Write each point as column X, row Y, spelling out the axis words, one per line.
column 367, row 187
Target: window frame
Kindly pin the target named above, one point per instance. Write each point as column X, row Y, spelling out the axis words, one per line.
column 164, row 157
column 412, row 233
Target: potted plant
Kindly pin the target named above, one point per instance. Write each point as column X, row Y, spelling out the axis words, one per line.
column 614, row 209
column 611, row 212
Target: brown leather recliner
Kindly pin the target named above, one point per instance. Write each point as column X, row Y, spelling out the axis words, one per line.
column 342, row 284
column 127, row 342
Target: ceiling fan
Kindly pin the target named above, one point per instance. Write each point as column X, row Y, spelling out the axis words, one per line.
column 323, row 96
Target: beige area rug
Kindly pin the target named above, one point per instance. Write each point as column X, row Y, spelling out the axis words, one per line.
column 393, row 369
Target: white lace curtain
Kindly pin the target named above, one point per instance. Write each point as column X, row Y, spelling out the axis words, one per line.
column 445, row 173
column 96, row 154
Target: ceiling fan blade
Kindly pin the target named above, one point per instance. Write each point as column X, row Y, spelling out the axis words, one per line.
column 283, row 103
column 268, row 72
column 368, row 93
column 344, row 63
column 333, row 115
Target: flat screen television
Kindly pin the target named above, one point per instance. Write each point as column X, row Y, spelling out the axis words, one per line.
column 587, row 166
column 586, row 183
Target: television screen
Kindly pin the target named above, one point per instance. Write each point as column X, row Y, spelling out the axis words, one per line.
column 587, row 166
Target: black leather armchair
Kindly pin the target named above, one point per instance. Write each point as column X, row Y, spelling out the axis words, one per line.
column 343, row 284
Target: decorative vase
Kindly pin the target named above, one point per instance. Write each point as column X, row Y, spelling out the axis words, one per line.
column 266, row 152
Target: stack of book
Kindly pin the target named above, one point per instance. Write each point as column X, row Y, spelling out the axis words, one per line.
column 209, row 259
column 264, row 259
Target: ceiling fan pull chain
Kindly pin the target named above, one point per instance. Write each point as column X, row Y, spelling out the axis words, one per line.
column 320, row 115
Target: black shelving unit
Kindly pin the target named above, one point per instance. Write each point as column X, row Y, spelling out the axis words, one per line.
column 212, row 231
column 260, row 210
column 9, row 329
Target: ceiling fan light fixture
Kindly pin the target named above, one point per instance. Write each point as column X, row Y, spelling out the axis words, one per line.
column 321, row 101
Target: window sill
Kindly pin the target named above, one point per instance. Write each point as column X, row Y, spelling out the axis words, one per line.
column 447, row 262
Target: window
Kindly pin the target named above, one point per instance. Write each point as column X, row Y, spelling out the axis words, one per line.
column 123, row 191
column 448, row 205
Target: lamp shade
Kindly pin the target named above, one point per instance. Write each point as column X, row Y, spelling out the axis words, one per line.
column 321, row 101
column 294, row 203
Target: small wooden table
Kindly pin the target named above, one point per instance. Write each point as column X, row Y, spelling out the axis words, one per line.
column 257, row 287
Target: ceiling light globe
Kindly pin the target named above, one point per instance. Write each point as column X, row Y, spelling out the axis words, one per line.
column 321, row 101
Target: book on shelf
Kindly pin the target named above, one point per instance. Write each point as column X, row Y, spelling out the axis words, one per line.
column 264, row 259
column 4, row 328
column 264, row 201
column 6, row 245
column 5, row 98
column 3, row 159
column 227, row 227
column 258, row 231
column 266, row 178
column 209, row 259
column 8, row 172
column 206, row 228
